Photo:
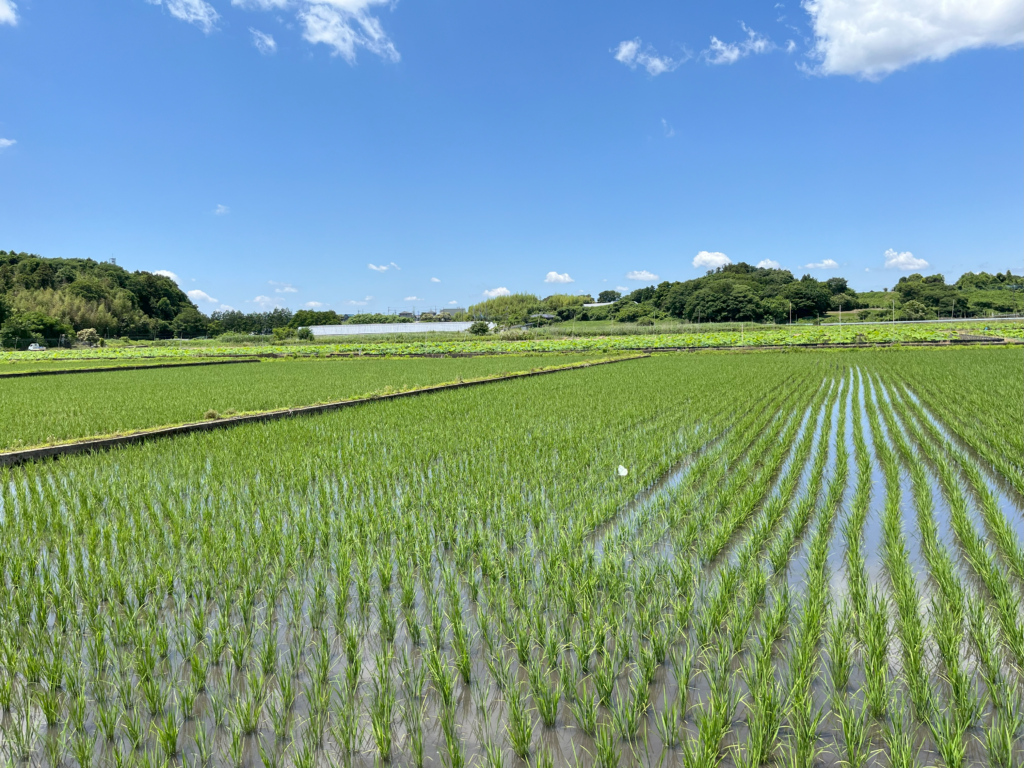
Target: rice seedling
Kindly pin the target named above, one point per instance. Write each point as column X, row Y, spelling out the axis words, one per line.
column 519, row 728
column 351, row 565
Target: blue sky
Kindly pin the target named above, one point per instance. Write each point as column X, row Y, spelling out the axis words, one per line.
column 271, row 151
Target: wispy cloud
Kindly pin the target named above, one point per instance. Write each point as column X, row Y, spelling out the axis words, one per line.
column 168, row 273
column 632, row 53
column 198, row 295
column 495, row 292
column 282, row 287
column 452, row 303
column 383, row 267
column 621, row 288
column 226, row 308
column 768, row 264
column 345, row 26
column 5, row 143
column 641, row 275
column 314, row 304
column 729, row 53
column 264, row 43
column 824, row 264
column 265, row 302
column 221, row 210
column 357, row 303
column 667, row 129
column 197, row 12
column 711, row 259
column 434, row 280
column 8, row 13
column 412, row 298
column 905, row 261
column 554, row 277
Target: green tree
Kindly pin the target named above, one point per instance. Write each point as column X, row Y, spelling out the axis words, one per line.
column 914, row 310
column 190, row 323
column 605, row 296
column 479, row 328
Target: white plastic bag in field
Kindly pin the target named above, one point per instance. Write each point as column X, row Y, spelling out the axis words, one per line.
column 623, row 471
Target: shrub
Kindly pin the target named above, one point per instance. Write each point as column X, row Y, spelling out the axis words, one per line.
column 479, row 328
column 645, row 321
column 305, row 334
column 88, row 336
column 280, row 334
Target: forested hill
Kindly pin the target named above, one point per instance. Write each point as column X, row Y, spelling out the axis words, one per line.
column 45, row 298
column 741, row 292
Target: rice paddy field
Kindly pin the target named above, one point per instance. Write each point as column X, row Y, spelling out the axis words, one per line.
column 793, row 559
column 52, row 409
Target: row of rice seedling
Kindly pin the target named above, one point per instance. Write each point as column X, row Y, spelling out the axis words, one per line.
column 469, row 578
column 54, row 409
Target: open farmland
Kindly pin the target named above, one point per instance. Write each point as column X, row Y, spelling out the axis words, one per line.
column 812, row 558
column 50, row 409
column 688, row 337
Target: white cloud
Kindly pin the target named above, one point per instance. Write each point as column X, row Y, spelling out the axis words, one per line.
column 314, row 304
column 221, row 210
column 264, row 43
column 711, row 259
column 383, row 267
column 282, row 287
column 197, row 12
column 640, row 275
column 768, row 264
column 667, row 129
column 266, row 302
column 631, row 53
column 346, row 25
column 434, row 280
column 7, row 12
column 5, row 143
column 198, row 295
column 873, row 39
column 412, row 298
column 826, row 264
column 905, row 261
column 790, row 46
column 362, row 303
column 554, row 277
column 621, row 288
column 260, row 5
column 168, row 273
column 494, row 292
column 226, row 308
column 452, row 303
column 729, row 53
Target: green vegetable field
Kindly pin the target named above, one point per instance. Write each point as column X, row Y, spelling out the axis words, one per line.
column 49, row 409
column 755, row 335
column 792, row 559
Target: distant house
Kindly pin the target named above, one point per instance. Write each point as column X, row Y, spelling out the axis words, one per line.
column 407, row 314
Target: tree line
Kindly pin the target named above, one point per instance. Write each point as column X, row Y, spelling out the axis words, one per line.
column 744, row 293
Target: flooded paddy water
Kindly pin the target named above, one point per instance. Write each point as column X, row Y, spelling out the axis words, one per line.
column 798, row 569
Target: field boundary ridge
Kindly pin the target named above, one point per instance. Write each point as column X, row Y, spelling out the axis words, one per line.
column 12, row 458
column 107, row 368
